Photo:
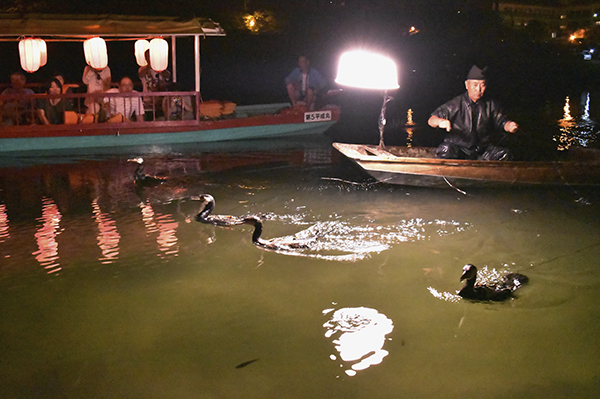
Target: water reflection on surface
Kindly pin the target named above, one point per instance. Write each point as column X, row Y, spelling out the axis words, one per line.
column 183, row 304
column 4, row 234
column 359, row 335
column 108, row 236
column 164, row 225
column 47, row 253
column 579, row 129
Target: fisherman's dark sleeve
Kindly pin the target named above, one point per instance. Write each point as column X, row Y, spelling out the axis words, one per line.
column 445, row 111
column 498, row 116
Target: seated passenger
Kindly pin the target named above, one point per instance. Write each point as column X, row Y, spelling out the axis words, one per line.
column 51, row 111
column 304, row 83
column 153, row 81
column 124, row 109
column 178, row 108
column 66, row 87
column 17, row 111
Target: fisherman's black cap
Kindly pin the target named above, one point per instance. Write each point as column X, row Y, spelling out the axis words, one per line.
column 477, row 74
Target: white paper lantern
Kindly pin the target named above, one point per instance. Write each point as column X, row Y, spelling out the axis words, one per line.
column 43, row 52
column 95, row 53
column 140, row 51
column 159, row 54
column 29, row 53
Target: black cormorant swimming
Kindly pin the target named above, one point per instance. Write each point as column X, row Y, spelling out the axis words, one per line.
column 143, row 179
column 489, row 292
column 206, row 208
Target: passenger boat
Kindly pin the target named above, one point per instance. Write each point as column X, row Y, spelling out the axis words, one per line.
column 245, row 122
column 418, row 166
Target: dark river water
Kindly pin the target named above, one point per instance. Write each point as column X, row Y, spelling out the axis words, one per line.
column 111, row 291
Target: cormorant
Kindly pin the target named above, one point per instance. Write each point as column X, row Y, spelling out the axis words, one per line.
column 489, row 292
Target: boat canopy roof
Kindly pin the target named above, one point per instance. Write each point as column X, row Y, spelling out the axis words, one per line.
column 81, row 27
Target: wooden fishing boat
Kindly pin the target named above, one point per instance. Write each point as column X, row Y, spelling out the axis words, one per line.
column 237, row 123
column 417, row 166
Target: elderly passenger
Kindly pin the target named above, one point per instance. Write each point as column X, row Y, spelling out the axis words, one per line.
column 124, row 109
column 17, row 111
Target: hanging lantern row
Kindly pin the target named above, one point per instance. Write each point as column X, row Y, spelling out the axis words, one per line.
column 158, row 51
column 33, row 54
column 159, row 54
column 140, row 48
column 95, row 53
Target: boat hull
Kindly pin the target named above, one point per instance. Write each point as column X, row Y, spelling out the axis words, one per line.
column 580, row 167
column 55, row 137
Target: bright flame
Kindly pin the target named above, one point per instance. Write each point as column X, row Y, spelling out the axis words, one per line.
column 367, row 71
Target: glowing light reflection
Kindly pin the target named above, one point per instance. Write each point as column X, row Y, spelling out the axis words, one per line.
column 359, row 335
column 108, row 236
column 4, row 234
column 167, row 240
column 579, row 131
column 148, row 217
column 47, row 253
column 410, row 130
column 166, row 227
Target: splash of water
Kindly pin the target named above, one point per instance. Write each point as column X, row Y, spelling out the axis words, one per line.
column 343, row 241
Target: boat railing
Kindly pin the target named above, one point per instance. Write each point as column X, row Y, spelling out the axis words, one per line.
column 168, row 106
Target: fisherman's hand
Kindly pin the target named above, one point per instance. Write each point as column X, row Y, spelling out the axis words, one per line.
column 445, row 124
column 511, row 127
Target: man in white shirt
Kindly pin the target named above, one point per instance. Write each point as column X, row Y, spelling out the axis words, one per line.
column 123, row 109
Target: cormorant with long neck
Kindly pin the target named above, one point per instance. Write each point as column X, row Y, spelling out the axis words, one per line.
column 143, row 179
column 206, row 208
column 288, row 243
column 489, row 292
